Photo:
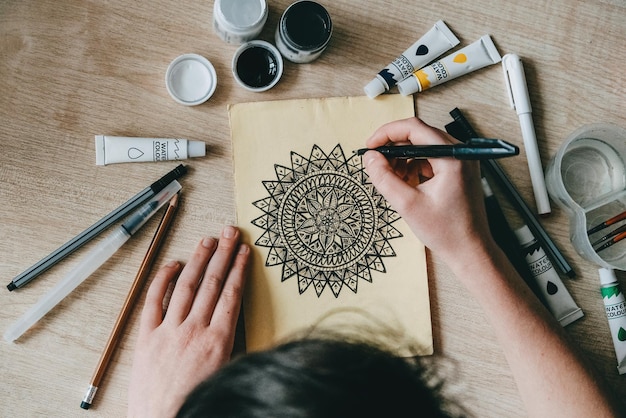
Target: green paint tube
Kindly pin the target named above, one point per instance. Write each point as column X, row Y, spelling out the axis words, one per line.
column 615, row 307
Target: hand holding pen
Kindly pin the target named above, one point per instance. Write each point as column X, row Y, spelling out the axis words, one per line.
column 440, row 198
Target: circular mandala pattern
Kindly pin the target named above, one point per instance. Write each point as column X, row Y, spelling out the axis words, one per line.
column 327, row 220
column 324, row 223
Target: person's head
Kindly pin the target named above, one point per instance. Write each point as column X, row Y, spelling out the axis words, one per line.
column 316, row 377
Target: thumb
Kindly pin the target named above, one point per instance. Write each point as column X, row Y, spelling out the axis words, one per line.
column 398, row 193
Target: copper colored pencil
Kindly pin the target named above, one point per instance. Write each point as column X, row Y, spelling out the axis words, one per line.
column 133, row 293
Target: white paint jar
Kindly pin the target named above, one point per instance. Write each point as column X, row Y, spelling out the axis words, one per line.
column 304, row 31
column 239, row 21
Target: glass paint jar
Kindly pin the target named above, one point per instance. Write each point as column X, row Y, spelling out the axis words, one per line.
column 239, row 21
column 304, row 31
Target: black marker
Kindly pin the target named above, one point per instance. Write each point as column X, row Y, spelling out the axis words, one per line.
column 474, row 149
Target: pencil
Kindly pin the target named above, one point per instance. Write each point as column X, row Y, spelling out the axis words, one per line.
column 608, row 222
column 133, row 293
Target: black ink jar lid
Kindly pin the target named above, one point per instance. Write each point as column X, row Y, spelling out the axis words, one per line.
column 257, row 65
column 304, row 31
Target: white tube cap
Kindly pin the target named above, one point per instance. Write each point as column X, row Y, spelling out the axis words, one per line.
column 524, row 236
column 374, row 88
column 607, row 276
column 196, row 149
column 409, row 86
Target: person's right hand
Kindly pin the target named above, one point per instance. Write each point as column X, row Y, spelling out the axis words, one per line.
column 441, row 199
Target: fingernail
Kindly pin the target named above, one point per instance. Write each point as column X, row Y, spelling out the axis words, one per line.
column 208, row 242
column 228, row 232
column 243, row 249
column 172, row 263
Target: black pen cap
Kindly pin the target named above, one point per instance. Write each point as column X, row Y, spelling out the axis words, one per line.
column 175, row 174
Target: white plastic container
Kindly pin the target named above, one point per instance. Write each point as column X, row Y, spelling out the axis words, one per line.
column 587, row 178
column 239, row 21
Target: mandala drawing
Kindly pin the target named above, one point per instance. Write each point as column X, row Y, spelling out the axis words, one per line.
column 325, row 223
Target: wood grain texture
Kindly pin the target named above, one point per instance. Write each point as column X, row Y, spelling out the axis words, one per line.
column 72, row 69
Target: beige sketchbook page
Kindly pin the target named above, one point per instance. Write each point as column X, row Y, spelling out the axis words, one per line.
column 328, row 251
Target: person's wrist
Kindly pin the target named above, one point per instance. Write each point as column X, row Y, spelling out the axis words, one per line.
column 473, row 258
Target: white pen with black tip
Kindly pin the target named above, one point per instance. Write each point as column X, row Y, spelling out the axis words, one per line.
column 518, row 94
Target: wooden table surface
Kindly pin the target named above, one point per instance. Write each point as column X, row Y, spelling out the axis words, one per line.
column 73, row 69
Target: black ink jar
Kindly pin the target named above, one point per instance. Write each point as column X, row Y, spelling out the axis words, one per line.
column 303, row 31
column 257, row 65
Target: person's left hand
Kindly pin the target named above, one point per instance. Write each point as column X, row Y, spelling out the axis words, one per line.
column 180, row 346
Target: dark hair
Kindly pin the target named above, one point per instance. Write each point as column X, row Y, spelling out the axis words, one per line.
column 315, row 377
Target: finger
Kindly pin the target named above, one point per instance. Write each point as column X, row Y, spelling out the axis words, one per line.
column 413, row 176
column 224, row 321
column 397, row 192
column 412, row 129
column 187, row 283
column 215, row 275
column 152, row 314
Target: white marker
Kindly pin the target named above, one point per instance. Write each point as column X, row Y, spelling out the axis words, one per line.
column 520, row 101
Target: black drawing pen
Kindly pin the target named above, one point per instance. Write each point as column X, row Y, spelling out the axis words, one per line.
column 462, row 130
column 474, row 149
column 95, row 229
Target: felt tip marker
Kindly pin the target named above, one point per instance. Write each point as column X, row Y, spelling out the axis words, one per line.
column 474, row 149
column 520, row 100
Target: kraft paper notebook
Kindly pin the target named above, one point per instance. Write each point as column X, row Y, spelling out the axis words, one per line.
column 327, row 248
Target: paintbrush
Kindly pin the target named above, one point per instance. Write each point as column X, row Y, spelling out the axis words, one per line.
column 608, row 222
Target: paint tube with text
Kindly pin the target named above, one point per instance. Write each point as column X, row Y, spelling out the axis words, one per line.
column 558, row 300
column 432, row 44
column 474, row 56
column 118, row 149
column 615, row 308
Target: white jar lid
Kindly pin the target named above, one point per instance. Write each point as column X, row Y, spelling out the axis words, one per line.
column 190, row 79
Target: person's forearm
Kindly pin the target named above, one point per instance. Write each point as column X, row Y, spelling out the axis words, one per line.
column 552, row 377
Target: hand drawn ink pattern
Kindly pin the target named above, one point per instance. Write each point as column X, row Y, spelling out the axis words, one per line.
column 324, row 222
